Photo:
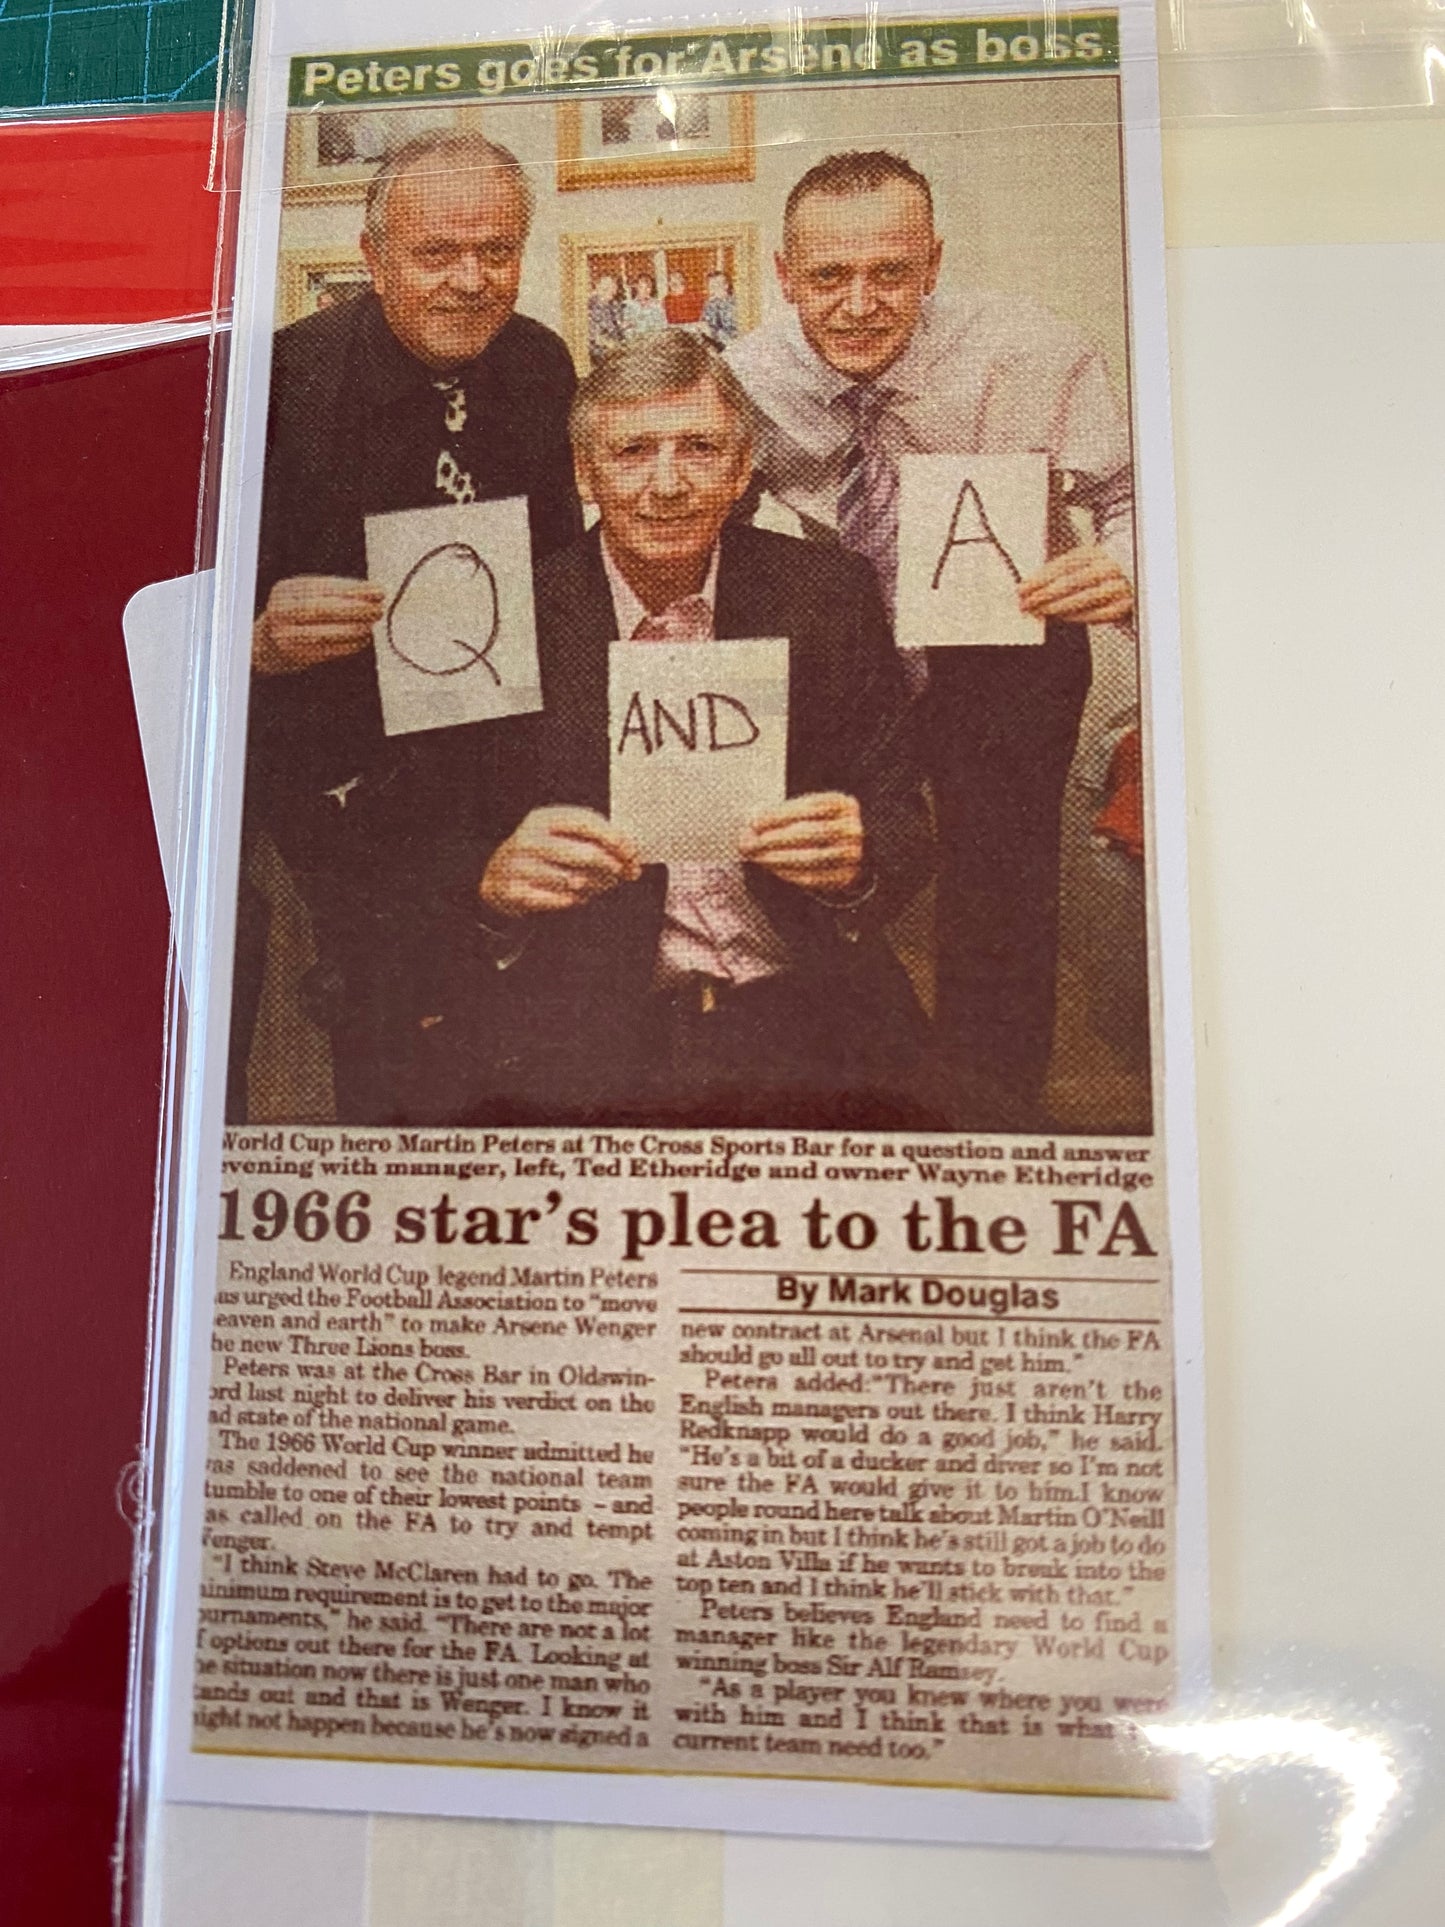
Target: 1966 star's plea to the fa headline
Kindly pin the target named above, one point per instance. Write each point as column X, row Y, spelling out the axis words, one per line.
column 565, row 1449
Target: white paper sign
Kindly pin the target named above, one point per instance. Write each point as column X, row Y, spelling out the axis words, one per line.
column 458, row 641
column 698, row 743
column 970, row 529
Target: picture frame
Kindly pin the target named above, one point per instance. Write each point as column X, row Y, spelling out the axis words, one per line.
column 332, row 153
column 695, row 251
column 314, row 278
column 628, row 140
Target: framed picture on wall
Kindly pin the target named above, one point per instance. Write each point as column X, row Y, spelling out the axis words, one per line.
column 655, row 139
column 331, row 155
column 316, row 278
column 620, row 284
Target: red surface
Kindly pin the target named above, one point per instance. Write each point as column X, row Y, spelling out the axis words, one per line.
column 99, row 469
column 1121, row 820
column 106, row 220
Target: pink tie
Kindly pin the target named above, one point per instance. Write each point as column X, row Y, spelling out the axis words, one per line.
column 687, row 621
column 712, row 929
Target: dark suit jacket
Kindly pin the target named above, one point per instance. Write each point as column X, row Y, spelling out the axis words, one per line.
column 354, row 430
column 581, row 1014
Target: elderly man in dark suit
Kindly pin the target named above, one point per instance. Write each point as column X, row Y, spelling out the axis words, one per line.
column 427, row 389
column 761, row 992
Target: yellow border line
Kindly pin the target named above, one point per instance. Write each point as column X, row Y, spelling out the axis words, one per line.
column 685, row 1773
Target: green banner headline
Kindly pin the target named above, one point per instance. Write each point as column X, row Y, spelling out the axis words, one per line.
column 802, row 51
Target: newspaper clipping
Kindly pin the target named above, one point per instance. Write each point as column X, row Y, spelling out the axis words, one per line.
column 694, row 1280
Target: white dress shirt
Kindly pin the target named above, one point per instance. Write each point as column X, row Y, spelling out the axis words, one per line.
column 984, row 374
column 712, row 926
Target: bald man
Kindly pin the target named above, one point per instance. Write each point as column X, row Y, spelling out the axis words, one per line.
column 424, row 390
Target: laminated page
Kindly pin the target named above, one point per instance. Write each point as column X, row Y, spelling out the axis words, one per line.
column 686, row 1265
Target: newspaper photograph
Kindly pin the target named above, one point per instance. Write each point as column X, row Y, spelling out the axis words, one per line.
column 694, row 1234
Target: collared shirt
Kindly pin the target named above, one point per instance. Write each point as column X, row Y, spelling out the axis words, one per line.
column 629, row 608
column 712, row 925
column 984, row 374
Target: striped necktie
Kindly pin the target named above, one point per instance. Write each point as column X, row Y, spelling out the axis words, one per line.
column 868, row 507
column 868, row 489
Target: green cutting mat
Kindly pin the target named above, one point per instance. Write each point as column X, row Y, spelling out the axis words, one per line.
column 93, row 53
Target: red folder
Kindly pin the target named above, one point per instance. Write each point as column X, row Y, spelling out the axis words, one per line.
column 106, row 220
column 99, row 473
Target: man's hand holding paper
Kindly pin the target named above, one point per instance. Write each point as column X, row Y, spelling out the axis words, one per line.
column 1081, row 585
column 555, row 859
column 815, row 842
column 559, row 857
column 314, row 619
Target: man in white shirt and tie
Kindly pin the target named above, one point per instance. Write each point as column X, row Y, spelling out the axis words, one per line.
column 866, row 364
column 760, row 991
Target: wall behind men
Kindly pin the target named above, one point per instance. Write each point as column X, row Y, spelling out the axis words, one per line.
column 1025, row 178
